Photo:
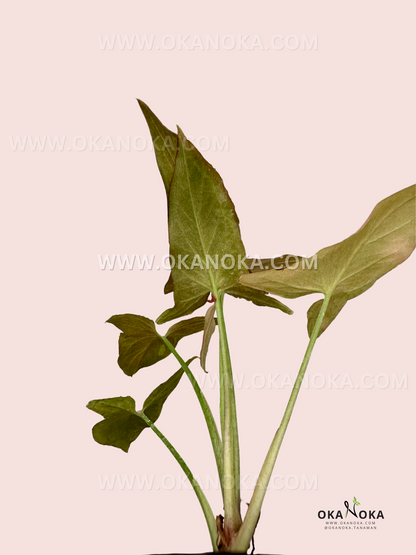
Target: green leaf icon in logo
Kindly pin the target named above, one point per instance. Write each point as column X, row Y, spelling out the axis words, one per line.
column 355, row 502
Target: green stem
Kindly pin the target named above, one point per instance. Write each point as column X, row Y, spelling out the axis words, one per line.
column 206, row 508
column 242, row 541
column 232, row 516
column 209, row 419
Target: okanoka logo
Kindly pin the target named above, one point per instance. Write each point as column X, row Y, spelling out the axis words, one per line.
column 352, row 510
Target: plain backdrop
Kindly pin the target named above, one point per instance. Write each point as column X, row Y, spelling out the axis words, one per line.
column 316, row 137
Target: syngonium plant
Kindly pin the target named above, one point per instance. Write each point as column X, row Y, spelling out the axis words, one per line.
column 208, row 261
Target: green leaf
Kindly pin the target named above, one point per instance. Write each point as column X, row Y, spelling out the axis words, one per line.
column 122, row 424
column 185, row 328
column 347, row 269
column 140, row 345
column 258, row 298
column 166, row 146
column 165, row 143
column 182, row 309
column 209, row 328
column 203, row 229
column 153, row 405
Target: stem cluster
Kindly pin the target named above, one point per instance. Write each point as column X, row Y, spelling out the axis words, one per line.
column 230, row 533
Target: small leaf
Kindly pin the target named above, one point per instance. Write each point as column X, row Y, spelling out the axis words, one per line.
column 122, row 424
column 209, row 328
column 258, row 298
column 182, row 309
column 140, row 345
column 347, row 269
column 153, row 405
column 185, row 328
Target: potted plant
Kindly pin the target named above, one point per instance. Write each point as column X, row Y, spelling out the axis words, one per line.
column 208, row 262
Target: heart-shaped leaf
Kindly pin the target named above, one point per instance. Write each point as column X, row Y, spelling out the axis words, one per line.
column 122, row 424
column 347, row 269
column 166, row 144
column 140, row 345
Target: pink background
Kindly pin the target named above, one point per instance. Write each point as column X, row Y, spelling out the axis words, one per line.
column 316, row 139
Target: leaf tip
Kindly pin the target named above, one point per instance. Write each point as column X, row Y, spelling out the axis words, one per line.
column 180, row 133
column 142, row 104
column 160, row 319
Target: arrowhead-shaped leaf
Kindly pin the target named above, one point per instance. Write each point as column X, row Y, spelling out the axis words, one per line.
column 140, row 345
column 166, row 144
column 122, row 424
column 347, row 269
column 203, row 228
